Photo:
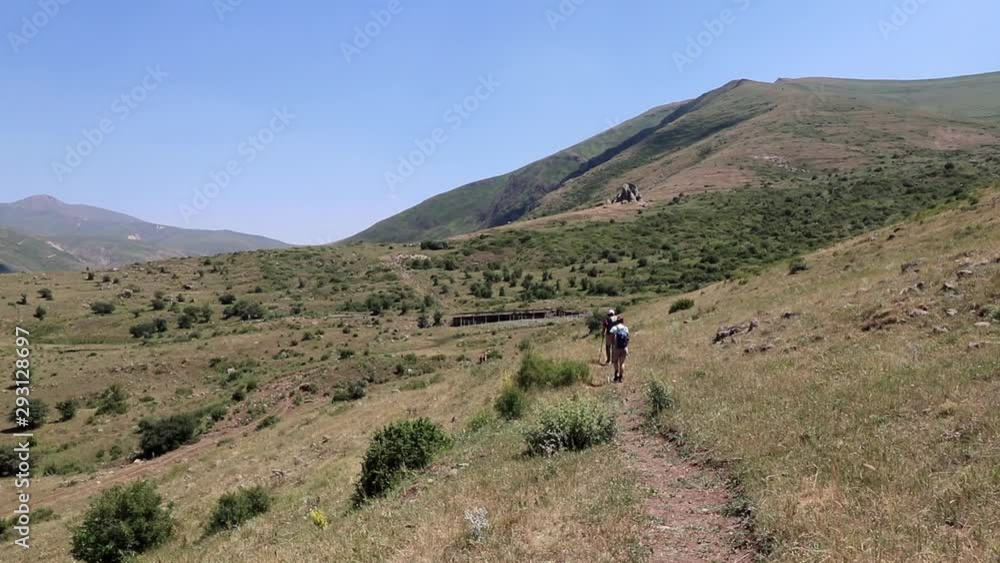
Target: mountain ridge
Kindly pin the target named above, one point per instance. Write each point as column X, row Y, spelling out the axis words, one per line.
column 676, row 147
column 89, row 236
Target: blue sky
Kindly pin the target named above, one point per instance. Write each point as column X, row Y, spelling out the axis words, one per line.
column 296, row 132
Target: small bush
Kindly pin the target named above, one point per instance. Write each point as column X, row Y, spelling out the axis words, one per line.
column 576, row 424
column 123, row 522
column 158, row 437
column 536, row 371
column 233, row 509
column 244, row 310
column 268, row 422
column 658, row 398
column 102, row 308
column 227, row 299
column 480, row 420
column 512, row 403
column 797, row 266
column 143, row 330
column 9, row 462
column 681, row 305
column 67, row 409
column 403, row 446
column 319, row 519
column 185, row 321
column 353, row 391
column 114, row 400
column 45, row 293
column 40, row 313
column 37, row 415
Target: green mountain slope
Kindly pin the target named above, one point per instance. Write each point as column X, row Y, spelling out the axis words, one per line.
column 504, row 198
column 744, row 133
column 20, row 253
column 975, row 97
column 98, row 237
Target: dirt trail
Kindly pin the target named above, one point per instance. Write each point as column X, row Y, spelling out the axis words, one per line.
column 686, row 503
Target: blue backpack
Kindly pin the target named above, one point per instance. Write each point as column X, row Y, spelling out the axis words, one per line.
column 621, row 339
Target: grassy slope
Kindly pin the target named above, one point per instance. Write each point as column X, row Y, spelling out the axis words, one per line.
column 849, row 400
column 495, row 200
column 21, row 253
column 720, row 141
column 853, row 445
column 971, row 98
column 865, row 446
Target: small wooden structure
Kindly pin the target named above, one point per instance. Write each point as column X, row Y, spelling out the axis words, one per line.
column 469, row 319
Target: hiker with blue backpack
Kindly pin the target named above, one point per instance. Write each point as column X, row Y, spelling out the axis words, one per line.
column 619, row 335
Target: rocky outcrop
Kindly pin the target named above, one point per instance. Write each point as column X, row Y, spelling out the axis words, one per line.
column 726, row 333
column 629, row 193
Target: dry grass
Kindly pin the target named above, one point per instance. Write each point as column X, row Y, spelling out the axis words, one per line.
column 852, row 445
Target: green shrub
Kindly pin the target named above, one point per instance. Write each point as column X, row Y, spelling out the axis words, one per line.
column 481, row 420
column 268, row 422
column 244, row 310
column 45, row 293
column 185, row 321
column 158, row 437
column 353, row 391
column 102, row 308
column 114, row 400
column 536, row 371
column 217, row 412
column 38, row 413
column 658, row 398
column 142, row 330
column 148, row 329
column 575, row 424
column 40, row 313
column 512, row 403
column 9, row 462
column 124, row 521
column 797, row 266
column 67, row 409
column 681, row 305
column 233, row 509
column 408, row 445
column 227, row 299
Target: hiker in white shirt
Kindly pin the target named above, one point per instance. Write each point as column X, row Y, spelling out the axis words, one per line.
column 619, row 353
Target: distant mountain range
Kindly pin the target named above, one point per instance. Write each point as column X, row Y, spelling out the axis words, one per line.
column 41, row 233
column 745, row 133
